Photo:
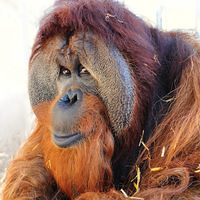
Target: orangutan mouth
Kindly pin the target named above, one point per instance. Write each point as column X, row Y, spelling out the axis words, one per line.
column 64, row 140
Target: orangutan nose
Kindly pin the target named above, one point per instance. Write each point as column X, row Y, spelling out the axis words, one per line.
column 71, row 96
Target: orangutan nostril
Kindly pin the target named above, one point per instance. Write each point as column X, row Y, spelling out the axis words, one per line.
column 73, row 99
column 65, row 99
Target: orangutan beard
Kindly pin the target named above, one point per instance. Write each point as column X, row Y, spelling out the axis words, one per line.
column 87, row 165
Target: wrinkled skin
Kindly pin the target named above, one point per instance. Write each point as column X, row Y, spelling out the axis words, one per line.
column 72, row 69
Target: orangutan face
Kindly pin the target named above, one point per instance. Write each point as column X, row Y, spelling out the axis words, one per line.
column 68, row 70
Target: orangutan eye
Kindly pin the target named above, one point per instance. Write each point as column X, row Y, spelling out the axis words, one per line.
column 64, row 71
column 83, row 70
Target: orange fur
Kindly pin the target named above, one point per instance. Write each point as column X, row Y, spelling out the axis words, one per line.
column 85, row 167
column 179, row 133
column 76, row 170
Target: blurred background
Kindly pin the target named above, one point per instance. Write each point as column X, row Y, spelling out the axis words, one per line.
column 18, row 26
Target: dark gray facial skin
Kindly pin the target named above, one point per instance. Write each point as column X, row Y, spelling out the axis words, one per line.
column 85, row 65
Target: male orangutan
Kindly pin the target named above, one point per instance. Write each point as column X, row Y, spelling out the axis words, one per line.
column 117, row 107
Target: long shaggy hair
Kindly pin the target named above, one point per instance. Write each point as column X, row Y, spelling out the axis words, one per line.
column 173, row 152
column 166, row 71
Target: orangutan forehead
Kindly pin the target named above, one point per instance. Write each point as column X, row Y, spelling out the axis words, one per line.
column 69, row 46
column 85, row 47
